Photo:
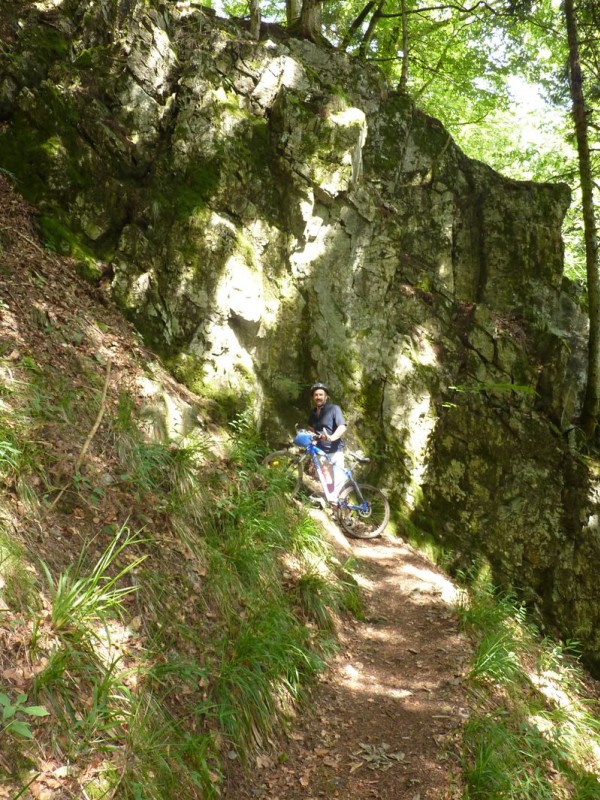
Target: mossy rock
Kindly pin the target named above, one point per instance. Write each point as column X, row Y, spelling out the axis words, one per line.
column 60, row 238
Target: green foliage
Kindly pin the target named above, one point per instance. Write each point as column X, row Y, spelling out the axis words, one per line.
column 9, row 456
column 533, row 735
column 266, row 654
column 165, row 759
column 319, row 597
column 507, row 761
column 17, row 717
column 262, row 671
column 17, row 453
column 79, row 602
column 195, row 189
column 231, row 641
column 89, row 697
column 149, row 465
column 18, row 581
column 223, row 404
column 58, row 237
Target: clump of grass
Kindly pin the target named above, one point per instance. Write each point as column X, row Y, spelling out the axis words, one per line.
column 534, row 735
column 80, row 601
column 501, row 628
column 164, row 758
column 82, row 679
column 19, row 583
column 151, row 464
column 323, row 596
column 19, row 456
column 262, row 673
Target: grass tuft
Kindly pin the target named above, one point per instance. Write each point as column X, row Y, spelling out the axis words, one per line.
column 79, row 602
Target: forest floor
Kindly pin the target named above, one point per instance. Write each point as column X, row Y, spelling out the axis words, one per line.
column 386, row 722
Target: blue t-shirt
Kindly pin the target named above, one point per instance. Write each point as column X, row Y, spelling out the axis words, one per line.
column 329, row 418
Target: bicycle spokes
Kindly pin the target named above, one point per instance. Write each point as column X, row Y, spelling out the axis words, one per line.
column 363, row 511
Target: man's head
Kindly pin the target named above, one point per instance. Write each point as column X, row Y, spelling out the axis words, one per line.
column 318, row 392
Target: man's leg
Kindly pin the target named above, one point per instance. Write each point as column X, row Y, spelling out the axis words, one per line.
column 339, row 474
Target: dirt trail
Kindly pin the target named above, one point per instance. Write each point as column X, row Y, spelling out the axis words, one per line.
column 386, row 721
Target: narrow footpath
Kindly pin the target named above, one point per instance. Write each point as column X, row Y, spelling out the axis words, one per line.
column 385, row 723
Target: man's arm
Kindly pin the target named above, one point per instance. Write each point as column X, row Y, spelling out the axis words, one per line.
column 337, row 434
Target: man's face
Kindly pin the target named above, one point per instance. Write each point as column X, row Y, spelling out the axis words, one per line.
column 319, row 397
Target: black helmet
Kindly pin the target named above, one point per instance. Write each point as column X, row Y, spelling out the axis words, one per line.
column 316, row 386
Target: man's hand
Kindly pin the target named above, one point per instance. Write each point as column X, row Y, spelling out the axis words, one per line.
column 324, row 435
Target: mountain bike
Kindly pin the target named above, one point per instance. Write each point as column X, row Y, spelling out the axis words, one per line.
column 362, row 511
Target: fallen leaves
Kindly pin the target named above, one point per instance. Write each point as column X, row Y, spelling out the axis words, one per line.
column 380, row 757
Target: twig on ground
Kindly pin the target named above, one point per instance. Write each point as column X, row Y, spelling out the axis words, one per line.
column 22, row 235
column 96, row 424
column 89, row 438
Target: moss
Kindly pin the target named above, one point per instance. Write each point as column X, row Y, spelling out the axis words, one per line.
column 47, row 42
column 286, row 387
column 245, row 249
column 41, row 156
column 58, row 237
column 189, row 370
column 255, row 144
column 222, row 404
column 91, row 57
column 189, row 194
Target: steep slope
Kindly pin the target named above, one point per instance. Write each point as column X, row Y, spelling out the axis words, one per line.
column 75, row 381
column 175, row 664
column 269, row 213
column 157, row 592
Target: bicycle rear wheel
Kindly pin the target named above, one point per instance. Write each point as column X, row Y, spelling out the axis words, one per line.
column 363, row 510
column 289, row 465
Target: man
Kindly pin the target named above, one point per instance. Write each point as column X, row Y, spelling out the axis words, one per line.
column 327, row 420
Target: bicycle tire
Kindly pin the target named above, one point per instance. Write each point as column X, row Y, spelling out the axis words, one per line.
column 359, row 524
column 290, row 464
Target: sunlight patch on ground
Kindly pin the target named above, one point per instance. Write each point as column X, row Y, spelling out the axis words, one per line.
column 574, row 729
column 359, row 679
column 445, row 589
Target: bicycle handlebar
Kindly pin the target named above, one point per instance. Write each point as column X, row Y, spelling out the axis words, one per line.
column 303, row 438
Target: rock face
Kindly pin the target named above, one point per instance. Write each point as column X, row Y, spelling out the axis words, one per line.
column 269, row 213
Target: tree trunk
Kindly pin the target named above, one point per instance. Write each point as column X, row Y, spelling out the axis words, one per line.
column 591, row 405
column 292, row 11
column 371, row 29
column 309, row 24
column 404, row 74
column 254, row 18
column 356, row 25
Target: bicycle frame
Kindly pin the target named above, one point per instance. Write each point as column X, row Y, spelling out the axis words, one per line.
column 332, row 495
column 361, row 510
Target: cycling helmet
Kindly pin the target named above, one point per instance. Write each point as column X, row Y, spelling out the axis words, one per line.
column 316, row 386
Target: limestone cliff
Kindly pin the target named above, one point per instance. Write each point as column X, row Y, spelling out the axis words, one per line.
column 269, row 213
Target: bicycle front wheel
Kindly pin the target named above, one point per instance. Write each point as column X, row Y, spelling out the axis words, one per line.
column 363, row 510
column 287, row 464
